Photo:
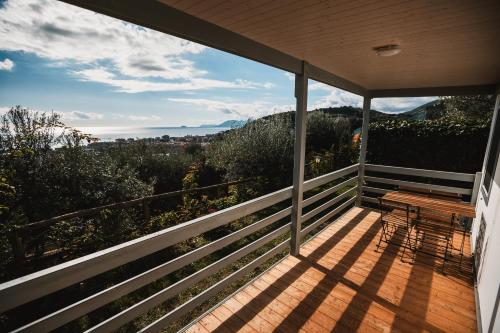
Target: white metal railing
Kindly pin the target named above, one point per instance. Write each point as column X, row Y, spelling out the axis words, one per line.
column 33, row 286
column 468, row 183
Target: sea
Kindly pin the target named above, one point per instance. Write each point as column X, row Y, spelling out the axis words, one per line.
column 113, row 133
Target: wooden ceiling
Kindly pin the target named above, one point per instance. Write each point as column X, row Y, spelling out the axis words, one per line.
column 444, row 43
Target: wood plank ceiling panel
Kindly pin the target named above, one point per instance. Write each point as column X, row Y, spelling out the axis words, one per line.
column 444, row 43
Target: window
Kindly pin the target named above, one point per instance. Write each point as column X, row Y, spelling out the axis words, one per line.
column 492, row 157
column 478, row 249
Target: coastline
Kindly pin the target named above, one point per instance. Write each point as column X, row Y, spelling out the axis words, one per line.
column 113, row 133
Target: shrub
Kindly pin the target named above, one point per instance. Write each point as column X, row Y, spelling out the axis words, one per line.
column 262, row 148
column 448, row 144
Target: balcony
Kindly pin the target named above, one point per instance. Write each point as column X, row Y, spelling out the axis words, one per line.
column 338, row 281
column 341, row 283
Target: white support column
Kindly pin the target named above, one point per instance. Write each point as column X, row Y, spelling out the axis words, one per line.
column 475, row 188
column 299, row 156
column 364, row 143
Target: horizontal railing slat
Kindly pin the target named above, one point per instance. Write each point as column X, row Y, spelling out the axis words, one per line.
column 99, row 299
column 321, row 180
column 24, row 289
column 465, row 177
column 329, row 191
column 125, row 204
column 325, row 218
column 375, row 189
column 190, row 305
column 326, row 205
column 449, row 189
column 156, row 299
column 369, row 199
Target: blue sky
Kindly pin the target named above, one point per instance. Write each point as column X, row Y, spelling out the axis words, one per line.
column 99, row 71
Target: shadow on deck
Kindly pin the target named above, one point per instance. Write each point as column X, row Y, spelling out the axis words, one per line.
column 340, row 283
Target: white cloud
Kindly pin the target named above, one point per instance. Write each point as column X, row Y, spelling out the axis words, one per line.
column 236, row 110
column 66, row 115
column 79, row 115
column 61, row 32
column 101, row 75
column 6, row 65
column 290, row 76
column 144, row 118
column 4, row 109
column 337, row 97
column 399, row 104
column 123, row 55
column 136, row 118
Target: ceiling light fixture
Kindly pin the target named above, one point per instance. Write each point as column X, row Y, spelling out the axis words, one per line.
column 387, row 50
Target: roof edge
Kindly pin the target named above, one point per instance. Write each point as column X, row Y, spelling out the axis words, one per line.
column 488, row 89
column 161, row 17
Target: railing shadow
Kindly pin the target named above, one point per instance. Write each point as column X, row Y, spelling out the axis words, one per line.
column 320, row 292
column 250, row 310
column 417, row 307
column 408, row 311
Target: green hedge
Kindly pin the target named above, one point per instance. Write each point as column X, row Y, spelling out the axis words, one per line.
column 443, row 144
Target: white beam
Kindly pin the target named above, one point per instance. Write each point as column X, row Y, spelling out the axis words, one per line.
column 487, row 89
column 364, row 143
column 299, row 156
column 494, row 120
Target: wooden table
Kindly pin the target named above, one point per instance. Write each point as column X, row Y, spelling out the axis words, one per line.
column 426, row 202
column 442, row 206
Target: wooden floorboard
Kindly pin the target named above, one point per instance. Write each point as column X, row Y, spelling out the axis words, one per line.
column 342, row 283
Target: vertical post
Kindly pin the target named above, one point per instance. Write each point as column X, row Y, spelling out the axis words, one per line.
column 147, row 211
column 475, row 189
column 299, row 157
column 494, row 120
column 364, row 143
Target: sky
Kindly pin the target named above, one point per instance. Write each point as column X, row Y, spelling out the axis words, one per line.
column 99, row 71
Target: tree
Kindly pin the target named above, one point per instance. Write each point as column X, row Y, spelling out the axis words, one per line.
column 329, row 136
column 52, row 172
column 477, row 106
column 262, row 148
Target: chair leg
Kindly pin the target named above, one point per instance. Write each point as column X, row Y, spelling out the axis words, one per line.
column 416, row 245
column 406, row 242
column 382, row 233
column 462, row 249
column 445, row 254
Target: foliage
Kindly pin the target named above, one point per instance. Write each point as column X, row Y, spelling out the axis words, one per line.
column 52, row 173
column 475, row 107
column 446, row 144
column 329, row 143
column 263, row 147
column 162, row 165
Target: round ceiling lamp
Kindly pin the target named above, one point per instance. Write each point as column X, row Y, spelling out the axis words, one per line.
column 387, row 50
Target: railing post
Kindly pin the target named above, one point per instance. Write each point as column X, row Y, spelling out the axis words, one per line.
column 299, row 157
column 147, row 211
column 475, row 188
column 364, row 143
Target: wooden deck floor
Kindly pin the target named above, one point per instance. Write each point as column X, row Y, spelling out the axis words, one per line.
column 340, row 283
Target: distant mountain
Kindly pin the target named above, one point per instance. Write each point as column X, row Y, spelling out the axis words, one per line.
column 228, row 123
column 352, row 112
column 430, row 110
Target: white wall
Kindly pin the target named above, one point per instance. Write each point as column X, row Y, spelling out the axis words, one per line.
column 488, row 272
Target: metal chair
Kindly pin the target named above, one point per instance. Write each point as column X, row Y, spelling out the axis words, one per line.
column 397, row 224
column 434, row 233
